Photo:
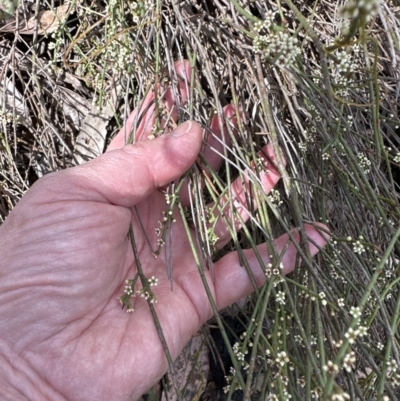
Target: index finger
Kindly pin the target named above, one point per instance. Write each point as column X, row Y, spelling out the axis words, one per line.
column 144, row 115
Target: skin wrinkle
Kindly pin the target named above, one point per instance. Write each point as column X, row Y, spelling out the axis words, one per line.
column 146, row 344
column 77, row 191
column 14, row 298
column 63, row 336
column 72, row 235
column 200, row 298
column 41, row 299
column 86, row 350
column 101, row 240
column 52, row 217
column 22, row 374
column 175, row 339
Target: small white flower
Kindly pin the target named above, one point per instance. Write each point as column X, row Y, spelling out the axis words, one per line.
column 331, row 368
column 362, row 331
column 351, row 335
column 364, row 162
column 282, row 358
column 349, row 361
column 355, row 312
column 358, row 247
column 153, row 281
column 280, row 297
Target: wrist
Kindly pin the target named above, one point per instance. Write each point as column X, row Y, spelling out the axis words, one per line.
column 19, row 382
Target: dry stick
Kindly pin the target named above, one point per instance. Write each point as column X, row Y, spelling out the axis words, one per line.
column 318, row 44
column 13, row 81
column 389, row 38
column 374, row 98
column 4, row 138
column 11, row 59
column 78, row 39
column 95, row 52
column 285, row 92
column 394, row 20
column 35, row 63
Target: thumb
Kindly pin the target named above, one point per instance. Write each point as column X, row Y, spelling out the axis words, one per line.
column 128, row 175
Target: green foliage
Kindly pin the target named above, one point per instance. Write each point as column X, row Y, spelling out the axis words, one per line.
column 321, row 86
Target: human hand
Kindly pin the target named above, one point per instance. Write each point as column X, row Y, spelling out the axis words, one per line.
column 65, row 256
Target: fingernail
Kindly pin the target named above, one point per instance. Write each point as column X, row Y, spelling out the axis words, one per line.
column 182, row 129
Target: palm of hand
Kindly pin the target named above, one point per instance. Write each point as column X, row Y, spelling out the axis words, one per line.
column 72, row 284
column 72, row 287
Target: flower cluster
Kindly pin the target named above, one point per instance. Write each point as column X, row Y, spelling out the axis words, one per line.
column 240, row 354
column 352, row 334
column 59, row 42
column 274, row 397
column 322, row 297
column 280, row 48
column 135, row 8
column 364, row 162
column 168, row 217
column 358, row 247
column 342, row 65
column 280, row 298
column 349, row 361
column 393, row 372
column 331, row 368
column 129, row 292
column 212, row 237
column 270, row 270
column 266, row 24
column 275, row 197
column 345, row 62
column 279, row 364
column 229, row 380
column 147, row 295
column 282, row 358
column 355, row 311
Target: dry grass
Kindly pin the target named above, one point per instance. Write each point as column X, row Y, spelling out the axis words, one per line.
column 333, row 112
